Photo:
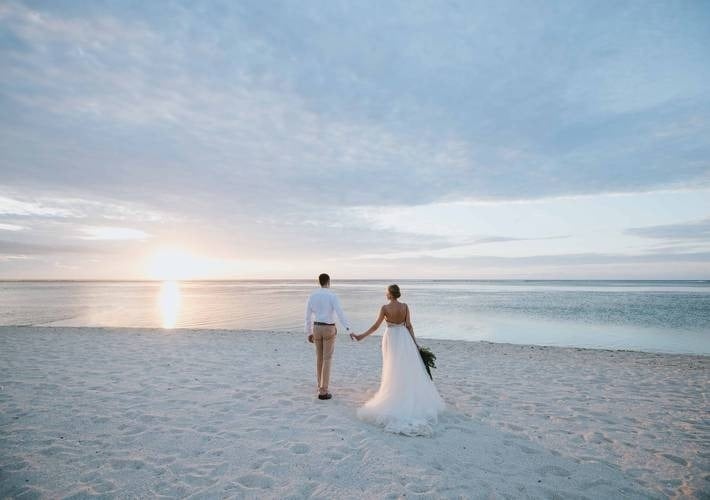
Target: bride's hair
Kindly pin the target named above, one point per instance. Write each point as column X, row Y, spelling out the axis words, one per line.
column 394, row 291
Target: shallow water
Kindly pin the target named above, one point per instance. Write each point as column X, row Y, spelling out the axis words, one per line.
column 664, row 316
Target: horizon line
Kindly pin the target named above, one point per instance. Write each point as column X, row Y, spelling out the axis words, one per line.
column 217, row 280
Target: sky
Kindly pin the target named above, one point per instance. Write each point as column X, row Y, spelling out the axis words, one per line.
column 263, row 139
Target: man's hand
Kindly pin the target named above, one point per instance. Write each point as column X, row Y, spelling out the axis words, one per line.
column 355, row 337
column 310, row 338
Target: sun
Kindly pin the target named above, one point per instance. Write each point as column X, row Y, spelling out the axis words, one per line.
column 175, row 264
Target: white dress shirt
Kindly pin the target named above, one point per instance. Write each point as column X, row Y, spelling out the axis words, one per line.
column 323, row 306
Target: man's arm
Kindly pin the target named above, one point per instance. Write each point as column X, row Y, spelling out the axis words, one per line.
column 339, row 312
column 308, row 326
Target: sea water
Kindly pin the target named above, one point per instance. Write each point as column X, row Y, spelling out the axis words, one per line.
column 658, row 316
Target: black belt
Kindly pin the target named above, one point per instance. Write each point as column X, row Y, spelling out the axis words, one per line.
column 323, row 324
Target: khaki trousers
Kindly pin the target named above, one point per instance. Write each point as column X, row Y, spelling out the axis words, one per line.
column 324, row 338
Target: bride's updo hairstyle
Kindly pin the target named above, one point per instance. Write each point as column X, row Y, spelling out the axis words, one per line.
column 394, row 291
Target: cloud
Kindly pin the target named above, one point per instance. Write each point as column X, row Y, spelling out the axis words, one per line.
column 694, row 230
column 229, row 125
column 243, row 105
column 18, row 248
column 447, row 247
column 570, row 259
column 113, row 233
column 39, row 25
column 38, row 206
column 10, row 258
column 10, row 206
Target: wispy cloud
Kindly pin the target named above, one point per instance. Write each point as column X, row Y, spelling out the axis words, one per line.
column 10, row 206
column 447, row 248
column 113, row 233
column 17, row 248
column 693, row 230
column 62, row 207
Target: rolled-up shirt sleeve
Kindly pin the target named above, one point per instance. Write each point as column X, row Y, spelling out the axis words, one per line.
column 339, row 312
column 308, row 327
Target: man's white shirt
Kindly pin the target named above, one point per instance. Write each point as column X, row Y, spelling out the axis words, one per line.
column 324, row 306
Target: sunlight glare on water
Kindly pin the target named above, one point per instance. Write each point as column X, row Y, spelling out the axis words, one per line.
column 169, row 303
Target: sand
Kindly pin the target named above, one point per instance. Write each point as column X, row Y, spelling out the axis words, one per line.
column 110, row 413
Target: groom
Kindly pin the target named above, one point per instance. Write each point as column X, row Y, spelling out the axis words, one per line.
column 323, row 305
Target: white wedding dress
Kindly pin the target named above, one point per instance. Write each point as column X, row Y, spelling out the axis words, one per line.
column 407, row 401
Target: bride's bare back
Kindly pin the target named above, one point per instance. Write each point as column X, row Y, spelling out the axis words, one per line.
column 395, row 312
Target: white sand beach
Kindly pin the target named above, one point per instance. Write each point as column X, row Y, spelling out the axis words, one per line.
column 88, row 412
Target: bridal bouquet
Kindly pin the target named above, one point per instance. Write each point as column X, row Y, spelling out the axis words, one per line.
column 428, row 358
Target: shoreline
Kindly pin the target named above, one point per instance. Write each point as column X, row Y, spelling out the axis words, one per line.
column 145, row 412
column 378, row 334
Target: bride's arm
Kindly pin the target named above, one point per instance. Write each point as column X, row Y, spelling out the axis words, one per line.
column 408, row 324
column 374, row 326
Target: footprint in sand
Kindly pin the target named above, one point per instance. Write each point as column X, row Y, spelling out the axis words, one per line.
column 460, row 428
column 138, row 429
column 165, row 460
column 334, row 456
column 678, row 460
column 527, row 449
column 52, row 451
column 255, row 481
column 103, row 487
column 306, row 490
column 15, row 466
column 554, row 470
column 124, row 463
column 594, row 484
column 419, row 488
column 261, row 462
column 300, row 448
column 436, row 465
column 197, row 480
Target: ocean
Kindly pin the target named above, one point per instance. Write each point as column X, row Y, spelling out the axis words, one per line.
column 655, row 316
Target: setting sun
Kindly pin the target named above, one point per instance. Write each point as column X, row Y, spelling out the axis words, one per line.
column 175, row 263
column 170, row 264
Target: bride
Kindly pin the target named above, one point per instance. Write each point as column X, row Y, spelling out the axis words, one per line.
column 407, row 401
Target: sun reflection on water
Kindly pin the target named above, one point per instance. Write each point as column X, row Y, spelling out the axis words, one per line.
column 169, row 303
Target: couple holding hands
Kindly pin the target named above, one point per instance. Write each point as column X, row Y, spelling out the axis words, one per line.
column 407, row 401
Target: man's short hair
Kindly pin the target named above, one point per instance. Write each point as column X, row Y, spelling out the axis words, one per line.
column 323, row 279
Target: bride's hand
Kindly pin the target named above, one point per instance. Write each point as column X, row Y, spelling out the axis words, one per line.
column 354, row 337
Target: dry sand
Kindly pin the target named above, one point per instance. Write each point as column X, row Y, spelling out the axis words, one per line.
column 145, row 413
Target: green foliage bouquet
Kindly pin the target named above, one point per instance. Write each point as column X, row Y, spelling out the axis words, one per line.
column 428, row 358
